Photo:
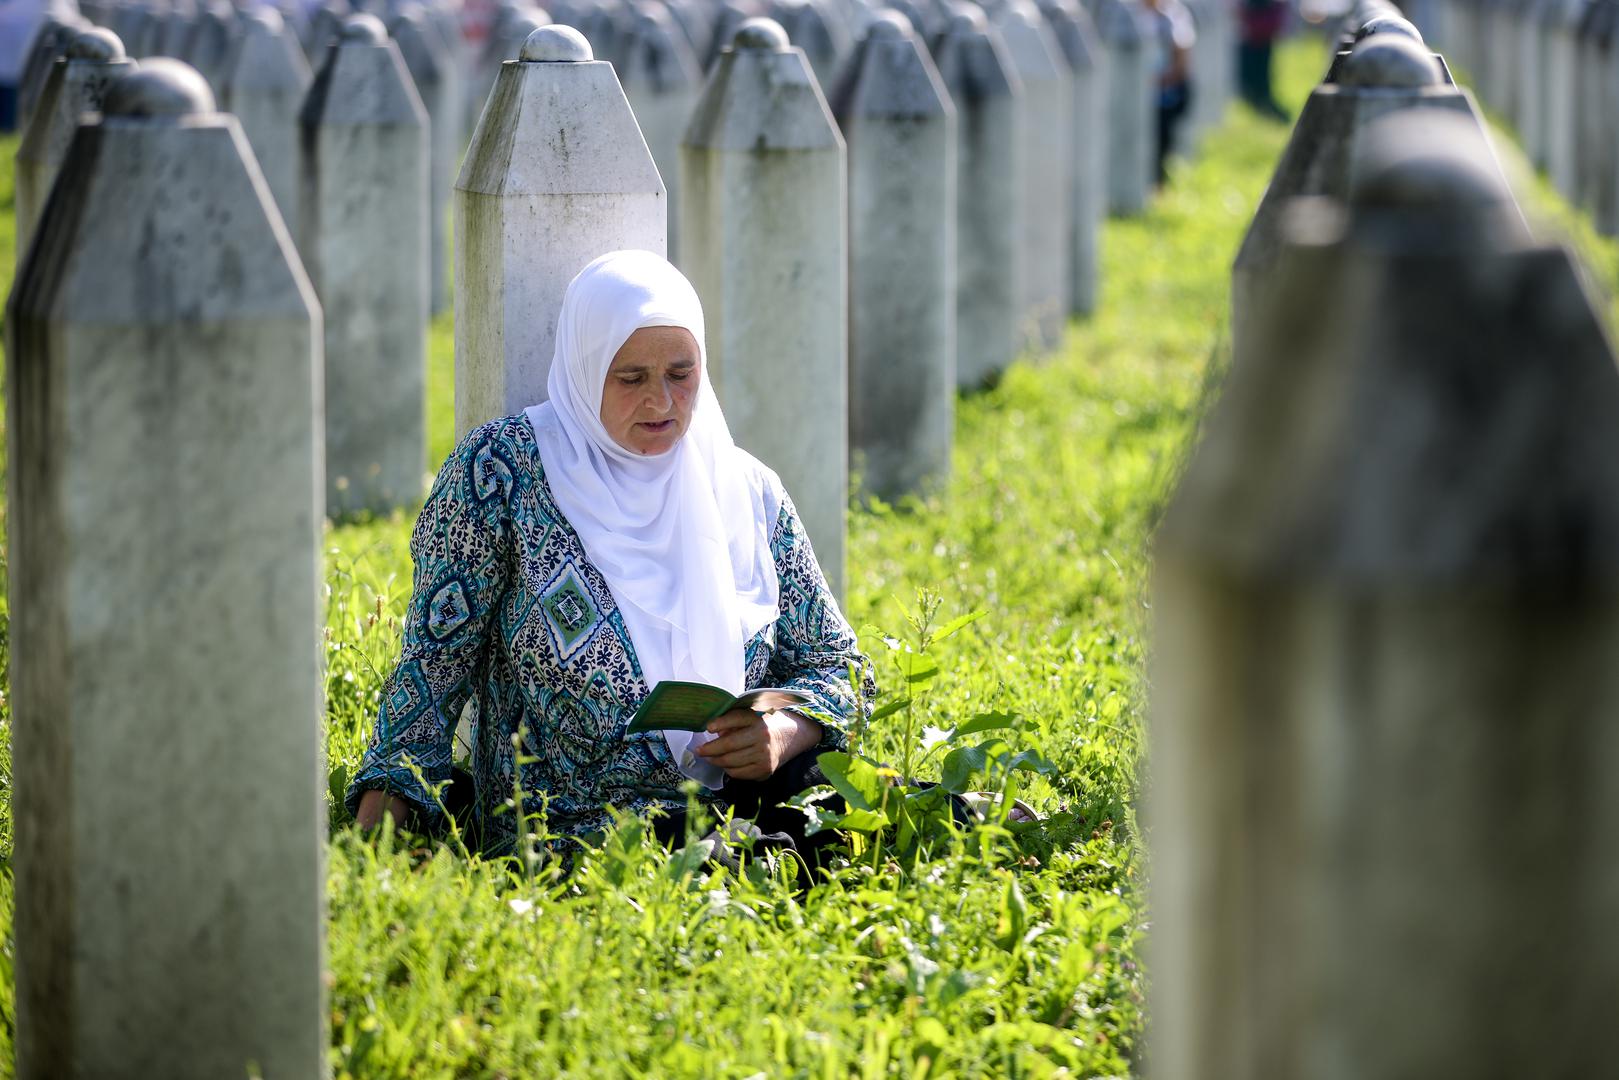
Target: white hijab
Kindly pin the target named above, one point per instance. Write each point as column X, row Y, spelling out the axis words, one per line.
column 682, row 537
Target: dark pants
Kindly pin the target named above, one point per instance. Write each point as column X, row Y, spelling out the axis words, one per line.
column 1254, row 78
column 1173, row 101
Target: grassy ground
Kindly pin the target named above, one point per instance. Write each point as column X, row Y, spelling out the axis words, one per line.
column 998, row 957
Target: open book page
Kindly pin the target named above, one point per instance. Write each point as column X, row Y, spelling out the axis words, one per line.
column 688, row 706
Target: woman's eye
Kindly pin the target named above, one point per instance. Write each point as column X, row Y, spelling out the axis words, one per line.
column 680, row 376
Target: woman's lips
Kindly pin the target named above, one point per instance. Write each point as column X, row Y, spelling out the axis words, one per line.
column 661, row 425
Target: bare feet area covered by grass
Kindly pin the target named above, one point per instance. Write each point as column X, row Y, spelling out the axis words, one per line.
column 1015, row 951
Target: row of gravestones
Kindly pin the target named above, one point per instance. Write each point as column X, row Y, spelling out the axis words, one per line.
column 1386, row 616
column 1550, row 68
column 908, row 301
column 170, row 432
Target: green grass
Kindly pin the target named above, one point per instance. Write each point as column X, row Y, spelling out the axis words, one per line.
column 994, row 959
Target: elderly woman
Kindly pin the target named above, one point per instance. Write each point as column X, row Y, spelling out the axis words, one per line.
column 572, row 557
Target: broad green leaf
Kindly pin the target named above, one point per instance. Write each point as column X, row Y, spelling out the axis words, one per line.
column 688, row 860
column 1014, row 918
column 1030, row 761
column 861, row 821
column 989, row 721
column 855, row 778
column 884, row 711
column 957, row 623
column 965, row 762
column 916, row 667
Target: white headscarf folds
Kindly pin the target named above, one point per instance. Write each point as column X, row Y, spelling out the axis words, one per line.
column 682, row 537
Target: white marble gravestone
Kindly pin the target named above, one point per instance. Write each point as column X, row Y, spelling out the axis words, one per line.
column 764, row 234
column 164, row 441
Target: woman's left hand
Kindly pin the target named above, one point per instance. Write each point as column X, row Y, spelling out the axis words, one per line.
column 752, row 747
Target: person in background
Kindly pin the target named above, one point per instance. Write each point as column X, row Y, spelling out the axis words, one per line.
column 1262, row 22
column 1173, row 36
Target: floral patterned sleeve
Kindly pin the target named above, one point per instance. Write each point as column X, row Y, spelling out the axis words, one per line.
column 814, row 643
column 461, row 551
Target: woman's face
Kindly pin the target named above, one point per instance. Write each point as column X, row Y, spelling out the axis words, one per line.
column 651, row 389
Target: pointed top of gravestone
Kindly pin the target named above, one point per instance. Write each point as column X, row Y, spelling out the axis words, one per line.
column 263, row 21
column 889, row 25
column 160, row 87
column 96, row 44
column 1388, row 24
column 966, row 19
column 1390, row 61
column 760, row 33
column 556, row 44
column 364, row 29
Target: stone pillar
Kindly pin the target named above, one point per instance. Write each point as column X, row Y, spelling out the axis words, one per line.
column 504, row 43
column 1132, row 123
column 1047, row 186
column 900, row 130
column 662, row 81
column 1387, row 611
column 1560, row 89
column 764, row 230
column 163, row 427
column 1531, row 59
column 1075, row 35
column 1384, row 73
column 211, row 39
column 264, row 85
column 986, row 92
column 557, row 175
column 821, row 35
column 429, row 65
column 362, row 224
column 55, row 34
column 93, row 59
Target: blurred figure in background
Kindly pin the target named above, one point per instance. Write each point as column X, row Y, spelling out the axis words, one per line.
column 1262, row 22
column 1173, row 36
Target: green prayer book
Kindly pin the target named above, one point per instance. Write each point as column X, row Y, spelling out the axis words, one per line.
column 689, row 706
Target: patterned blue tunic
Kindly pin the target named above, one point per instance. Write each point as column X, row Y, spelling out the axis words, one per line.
column 508, row 613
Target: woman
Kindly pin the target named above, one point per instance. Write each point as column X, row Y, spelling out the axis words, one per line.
column 572, row 557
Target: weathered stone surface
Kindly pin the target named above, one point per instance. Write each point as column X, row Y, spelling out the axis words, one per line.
column 362, row 227
column 91, row 60
column 1132, row 93
column 812, row 26
column 512, row 28
column 765, row 242
column 1560, row 88
column 1047, row 186
column 1596, row 98
column 1076, row 36
column 429, row 66
column 55, row 34
column 1384, row 74
column 662, row 81
column 163, row 436
column 211, row 39
column 900, row 132
column 265, row 82
column 985, row 90
column 1387, row 606
column 557, row 175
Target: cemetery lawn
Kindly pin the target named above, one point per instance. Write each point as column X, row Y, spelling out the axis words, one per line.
column 1001, row 956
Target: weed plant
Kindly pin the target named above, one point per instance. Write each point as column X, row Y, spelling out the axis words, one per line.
column 1004, row 616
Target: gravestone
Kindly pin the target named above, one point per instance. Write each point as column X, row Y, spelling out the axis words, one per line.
column 1560, row 89
column 55, row 34
column 1596, row 98
column 811, row 26
column 163, row 365
column 726, row 17
column 1385, row 73
column 362, row 226
column 265, row 83
column 1132, row 123
column 557, row 175
column 986, row 92
column 92, row 60
column 1075, row 35
column 764, row 237
column 505, row 42
column 429, row 67
column 1387, row 608
column 1047, row 185
column 662, row 81
column 900, row 131
column 210, row 40
column 1530, row 57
